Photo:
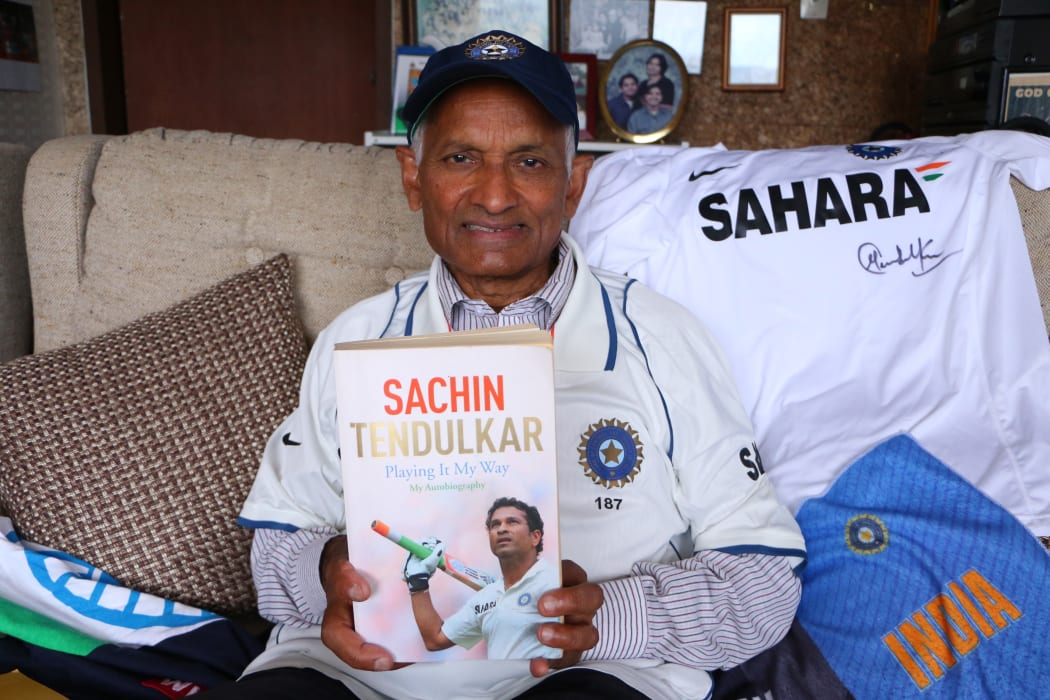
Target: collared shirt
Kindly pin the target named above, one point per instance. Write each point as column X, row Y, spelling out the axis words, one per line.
column 542, row 308
column 664, row 618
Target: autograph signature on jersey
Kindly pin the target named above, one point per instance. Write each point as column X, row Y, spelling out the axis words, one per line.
column 919, row 258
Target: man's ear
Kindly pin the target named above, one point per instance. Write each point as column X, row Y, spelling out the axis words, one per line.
column 410, row 177
column 581, row 166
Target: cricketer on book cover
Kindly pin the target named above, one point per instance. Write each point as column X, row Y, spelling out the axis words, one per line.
column 433, row 429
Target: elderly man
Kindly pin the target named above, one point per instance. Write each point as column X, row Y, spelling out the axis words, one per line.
column 679, row 558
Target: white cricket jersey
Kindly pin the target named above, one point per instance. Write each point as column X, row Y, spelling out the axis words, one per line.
column 506, row 619
column 858, row 292
column 656, row 460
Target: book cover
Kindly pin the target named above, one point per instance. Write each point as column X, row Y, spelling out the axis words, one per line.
column 434, row 430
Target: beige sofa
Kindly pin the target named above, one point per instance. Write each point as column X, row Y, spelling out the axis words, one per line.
column 118, row 228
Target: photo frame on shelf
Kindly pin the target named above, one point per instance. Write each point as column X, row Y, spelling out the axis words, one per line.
column 754, row 48
column 408, row 63
column 1025, row 94
column 442, row 23
column 650, row 108
column 583, row 68
column 19, row 52
column 601, row 27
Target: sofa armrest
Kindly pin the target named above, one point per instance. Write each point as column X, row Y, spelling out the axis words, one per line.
column 1034, row 208
column 56, row 205
column 119, row 227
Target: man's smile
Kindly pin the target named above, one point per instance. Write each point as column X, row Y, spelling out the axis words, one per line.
column 494, row 229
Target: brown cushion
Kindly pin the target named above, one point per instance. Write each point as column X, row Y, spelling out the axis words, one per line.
column 135, row 450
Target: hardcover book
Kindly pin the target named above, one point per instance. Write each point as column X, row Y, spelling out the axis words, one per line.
column 447, row 444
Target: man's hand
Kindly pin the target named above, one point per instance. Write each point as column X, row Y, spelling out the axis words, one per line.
column 577, row 601
column 343, row 585
column 417, row 572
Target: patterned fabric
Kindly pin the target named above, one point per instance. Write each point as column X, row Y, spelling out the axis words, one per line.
column 74, row 629
column 177, row 667
column 919, row 586
column 134, row 450
column 849, row 595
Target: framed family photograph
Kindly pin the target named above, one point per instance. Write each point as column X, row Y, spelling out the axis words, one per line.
column 643, row 93
column 19, row 55
column 602, row 27
column 753, row 54
column 441, row 23
column 583, row 68
column 408, row 63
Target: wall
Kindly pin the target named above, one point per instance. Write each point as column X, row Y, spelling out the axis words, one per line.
column 863, row 65
column 844, row 75
column 60, row 107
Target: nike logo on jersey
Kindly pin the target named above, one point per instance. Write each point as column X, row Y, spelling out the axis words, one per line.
column 287, row 440
column 693, row 177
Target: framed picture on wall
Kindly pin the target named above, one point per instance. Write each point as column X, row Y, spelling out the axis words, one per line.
column 753, row 51
column 441, row 23
column 682, row 25
column 19, row 56
column 408, row 63
column 643, row 93
column 1026, row 95
column 583, row 68
column 602, row 27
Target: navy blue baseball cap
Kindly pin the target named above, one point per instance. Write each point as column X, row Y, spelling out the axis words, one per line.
column 496, row 54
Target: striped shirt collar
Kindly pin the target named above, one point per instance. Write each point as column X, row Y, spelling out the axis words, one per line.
column 542, row 308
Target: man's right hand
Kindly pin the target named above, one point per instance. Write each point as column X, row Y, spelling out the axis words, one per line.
column 344, row 585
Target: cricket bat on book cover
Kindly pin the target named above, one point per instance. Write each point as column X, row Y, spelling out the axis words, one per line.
column 433, row 430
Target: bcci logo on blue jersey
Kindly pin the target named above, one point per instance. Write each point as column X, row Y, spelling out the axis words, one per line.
column 867, row 534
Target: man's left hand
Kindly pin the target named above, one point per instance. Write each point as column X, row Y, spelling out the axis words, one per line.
column 577, row 601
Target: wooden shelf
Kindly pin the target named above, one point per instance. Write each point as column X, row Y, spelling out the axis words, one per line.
column 388, row 139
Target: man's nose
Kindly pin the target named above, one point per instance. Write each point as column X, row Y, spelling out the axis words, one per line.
column 495, row 191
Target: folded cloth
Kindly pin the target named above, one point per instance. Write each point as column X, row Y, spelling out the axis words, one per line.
column 792, row 669
column 77, row 630
column 919, row 586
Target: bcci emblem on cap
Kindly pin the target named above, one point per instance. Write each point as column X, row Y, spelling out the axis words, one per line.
column 495, row 47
